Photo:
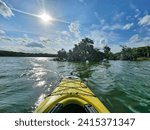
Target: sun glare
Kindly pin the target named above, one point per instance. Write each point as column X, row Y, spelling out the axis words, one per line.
column 46, row 18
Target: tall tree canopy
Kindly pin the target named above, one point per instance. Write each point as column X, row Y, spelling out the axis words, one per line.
column 83, row 51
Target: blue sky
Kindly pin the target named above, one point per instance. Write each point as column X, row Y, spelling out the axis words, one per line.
column 107, row 22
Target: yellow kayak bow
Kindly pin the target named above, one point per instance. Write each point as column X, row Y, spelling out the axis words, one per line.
column 71, row 96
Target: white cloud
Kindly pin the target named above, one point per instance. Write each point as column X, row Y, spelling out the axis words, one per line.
column 98, row 37
column 2, row 32
column 22, row 40
column 74, row 28
column 138, row 12
column 115, row 48
column 35, row 44
column 65, row 33
column 102, row 38
column 26, row 35
column 129, row 18
column 61, row 39
column 45, row 40
column 18, row 40
column 127, row 26
column 5, row 39
column 147, row 39
column 137, row 41
column 135, row 38
column 145, row 20
column 118, row 16
column 118, row 27
column 5, row 10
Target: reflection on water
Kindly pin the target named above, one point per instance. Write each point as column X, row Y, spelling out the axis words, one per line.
column 121, row 85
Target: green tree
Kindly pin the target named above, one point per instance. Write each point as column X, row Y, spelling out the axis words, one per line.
column 128, row 53
column 85, row 50
column 107, row 52
column 82, row 51
column 62, row 54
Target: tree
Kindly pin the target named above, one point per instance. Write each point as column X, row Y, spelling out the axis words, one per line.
column 85, row 50
column 82, row 51
column 107, row 52
column 128, row 53
column 62, row 54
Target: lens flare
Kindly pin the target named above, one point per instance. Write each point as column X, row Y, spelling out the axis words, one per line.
column 45, row 17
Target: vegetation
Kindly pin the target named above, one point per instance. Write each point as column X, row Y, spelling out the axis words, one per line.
column 62, row 54
column 21, row 54
column 85, row 51
column 107, row 52
column 128, row 53
column 139, row 53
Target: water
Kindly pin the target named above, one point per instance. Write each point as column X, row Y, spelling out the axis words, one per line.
column 123, row 86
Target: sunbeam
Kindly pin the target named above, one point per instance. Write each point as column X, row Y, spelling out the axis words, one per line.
column 44, row 16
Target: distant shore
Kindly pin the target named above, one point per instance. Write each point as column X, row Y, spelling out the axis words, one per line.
column 143, row 58
column 22, row 54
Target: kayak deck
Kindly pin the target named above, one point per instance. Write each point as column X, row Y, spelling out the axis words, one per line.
column 71, row 96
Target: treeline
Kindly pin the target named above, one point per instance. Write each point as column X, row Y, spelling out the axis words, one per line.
column 21, row 54
column 85, row 51
column 128, row 53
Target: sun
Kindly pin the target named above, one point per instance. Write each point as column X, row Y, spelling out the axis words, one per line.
column 45, row 17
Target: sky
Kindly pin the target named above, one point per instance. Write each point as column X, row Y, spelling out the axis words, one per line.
column 46, row 26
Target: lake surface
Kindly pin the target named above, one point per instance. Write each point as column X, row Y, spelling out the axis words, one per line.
column 123, row 86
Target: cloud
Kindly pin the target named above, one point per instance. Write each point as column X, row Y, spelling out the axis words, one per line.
column 67, row 42
column 104, row 35
column 145, row 20
column 138, row 12
column 101, row 20
column 102, row 38
column 18, row 40
column 45, row 40
column 26, row 35
column 65, row 33
column 74, row 28
column 97, row 15
column 99, row 38
column 127, row 26
column 5, row 11
column 137, row 41
column 135, row 38
column 115, row 48
column 2, row 32
column 5, row 39
column 35, row 44
column 118, row 27
column 22, row 40
column 118, row 16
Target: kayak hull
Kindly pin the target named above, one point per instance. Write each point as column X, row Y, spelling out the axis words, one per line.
column 71, row 93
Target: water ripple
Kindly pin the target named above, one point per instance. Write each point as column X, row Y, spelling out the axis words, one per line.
column 122, row 86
